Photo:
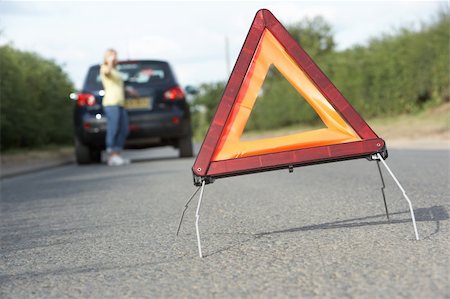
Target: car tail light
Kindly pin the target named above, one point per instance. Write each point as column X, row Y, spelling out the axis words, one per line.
column 174, row 94
column 175, row 120
column 132, row 128
column 85, row 99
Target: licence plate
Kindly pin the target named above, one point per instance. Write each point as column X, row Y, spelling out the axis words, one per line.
column 138, row 103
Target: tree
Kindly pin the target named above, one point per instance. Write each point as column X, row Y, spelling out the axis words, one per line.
column 314, row 35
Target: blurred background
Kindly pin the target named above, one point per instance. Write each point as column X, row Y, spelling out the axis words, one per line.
column 390, row 60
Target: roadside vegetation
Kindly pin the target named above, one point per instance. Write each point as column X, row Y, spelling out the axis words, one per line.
column 400, row 73
column 35, row 110
column 403, row 72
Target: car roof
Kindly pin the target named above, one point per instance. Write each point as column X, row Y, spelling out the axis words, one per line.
column 134, row 61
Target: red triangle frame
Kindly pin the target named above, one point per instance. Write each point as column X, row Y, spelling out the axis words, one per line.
column 204, row 169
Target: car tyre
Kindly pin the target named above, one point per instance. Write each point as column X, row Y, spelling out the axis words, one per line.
column 83, row 154
column 185, row 146
column 96, row 155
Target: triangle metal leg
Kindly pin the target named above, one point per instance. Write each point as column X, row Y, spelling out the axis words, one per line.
column 185, row 208
column 382, row 190
column 380, row 158
column 197, row 217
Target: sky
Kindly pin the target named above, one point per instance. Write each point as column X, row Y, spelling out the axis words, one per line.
column 190, row 35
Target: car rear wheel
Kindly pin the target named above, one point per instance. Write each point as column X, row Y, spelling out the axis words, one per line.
column 185, row 146
column 85, row 154
column 96, row 155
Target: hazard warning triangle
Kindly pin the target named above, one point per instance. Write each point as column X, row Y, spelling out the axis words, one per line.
column 268, row 43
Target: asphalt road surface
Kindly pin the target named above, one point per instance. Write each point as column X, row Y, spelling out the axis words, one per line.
column 320, row 232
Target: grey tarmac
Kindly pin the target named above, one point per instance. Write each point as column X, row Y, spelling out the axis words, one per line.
column 319, row 232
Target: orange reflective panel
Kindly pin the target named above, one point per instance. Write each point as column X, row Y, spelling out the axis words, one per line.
column 271, row 52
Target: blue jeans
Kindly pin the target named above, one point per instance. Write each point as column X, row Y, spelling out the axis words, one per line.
column 117, row 128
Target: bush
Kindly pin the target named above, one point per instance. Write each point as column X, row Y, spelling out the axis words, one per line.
column 397, row 73
column 34, row 106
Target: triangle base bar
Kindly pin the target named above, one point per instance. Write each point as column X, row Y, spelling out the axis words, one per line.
column 295, row 158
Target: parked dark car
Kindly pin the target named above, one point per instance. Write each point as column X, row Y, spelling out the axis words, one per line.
column 158, row 112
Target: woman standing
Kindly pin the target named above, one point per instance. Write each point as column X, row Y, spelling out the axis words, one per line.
column 113, row 102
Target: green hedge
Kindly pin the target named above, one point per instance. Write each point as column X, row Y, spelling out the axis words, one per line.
column 398, row 73
column 35, row 109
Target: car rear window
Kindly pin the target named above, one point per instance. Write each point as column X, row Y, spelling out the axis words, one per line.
column 133, row 73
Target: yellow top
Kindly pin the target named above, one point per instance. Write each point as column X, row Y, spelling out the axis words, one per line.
column 113, row 86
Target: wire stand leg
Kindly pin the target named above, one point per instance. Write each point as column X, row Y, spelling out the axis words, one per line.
column 382, row 190
column 185, row 208
column 197, row 217
column 404, row 194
